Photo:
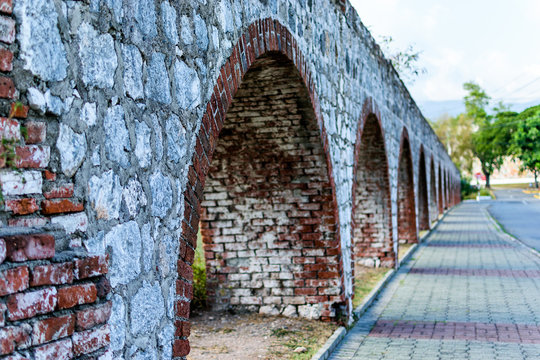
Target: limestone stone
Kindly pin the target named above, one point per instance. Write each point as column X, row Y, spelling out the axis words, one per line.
column 168, row 251
column 117, row 143
column 147, row 308
column 116, row 7
column 310, row 311
column 268, row 310
column 125, row 243
column 133, row 86
column 117, row 323
column 187, row 31
column 147, row 247
column 147, row 354
column 89, row 114
column 13, row 184
column 176, row 139
column 168, row 17
column 95, row 245
column 157, row 86
column 134, row 197
column 161, row 189
column 226, row 19
column 201, row 32
column 143, row 150
column 98, row 57
column 144, row 14
column 187, row 85
column 41, row 48
column 158, row 137
column 72, row 148
column 36, row 100
column 290, row 311
column 105, row 195
column 165, row 341
column 55, row 105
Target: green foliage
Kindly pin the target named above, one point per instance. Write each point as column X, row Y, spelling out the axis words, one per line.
column 199, row 277
column 525, row 140
column 467, row 189
column 476, row 101
column 456, row 135
column 404, row 61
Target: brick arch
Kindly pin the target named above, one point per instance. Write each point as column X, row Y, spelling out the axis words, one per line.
column 423, row 206
column 315, row 262
column 441, row 190
column 405, row 200
column 372, row 212
column 445, row 186
column 433, row 209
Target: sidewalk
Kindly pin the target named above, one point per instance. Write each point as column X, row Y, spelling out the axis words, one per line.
column 470, row 292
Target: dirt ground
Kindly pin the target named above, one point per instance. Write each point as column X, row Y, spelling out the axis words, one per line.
column 225, row 336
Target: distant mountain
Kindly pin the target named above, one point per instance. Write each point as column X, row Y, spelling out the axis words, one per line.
column 433, row 110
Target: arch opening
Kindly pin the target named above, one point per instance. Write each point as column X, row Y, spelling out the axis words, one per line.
column 423, row 207
column 441, row 201
column 372, row 219
column 268, row 219
column 406, row 207
column 434, row 212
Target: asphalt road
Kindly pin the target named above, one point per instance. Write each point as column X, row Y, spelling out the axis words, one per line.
column 519, row 214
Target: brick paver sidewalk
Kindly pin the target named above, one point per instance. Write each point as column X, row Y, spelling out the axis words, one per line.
column 470, row 292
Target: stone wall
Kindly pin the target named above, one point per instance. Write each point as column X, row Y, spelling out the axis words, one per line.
column 121, row 106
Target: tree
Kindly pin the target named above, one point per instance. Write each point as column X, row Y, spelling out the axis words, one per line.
column 455, row 134
column 490, row 141
column 526, row 140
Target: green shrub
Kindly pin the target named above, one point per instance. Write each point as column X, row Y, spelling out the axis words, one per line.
column 467, row 189
column 199, row 277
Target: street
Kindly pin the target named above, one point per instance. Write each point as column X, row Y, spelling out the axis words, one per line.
column 519, row 214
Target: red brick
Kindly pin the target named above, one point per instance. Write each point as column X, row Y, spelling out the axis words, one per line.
column 32, row 156
column 183, row 328
column 58, row 350
column 6, row 60
column 22, row 206
column 184, row 270
column 6, row 6
column 182, row 309
column 29, row 304
column 57, row 206
column 36, row 132
column 88, row 341
column 7, row 87
column 48, row 175
column 29, row 247
column 27, row 222
column 59, row 191
column 13, row 280
column 52, row 274
column 52, row 328
column 18, row 110
column 10, row 129
column 93, row 316
column 91, row 266
column 103, row 287
column 14, row 337
column 76, row 295
column 180, row 348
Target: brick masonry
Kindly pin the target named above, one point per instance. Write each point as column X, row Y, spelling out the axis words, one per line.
column 111, row 125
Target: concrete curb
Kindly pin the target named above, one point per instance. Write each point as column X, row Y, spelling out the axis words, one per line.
column 333, row 341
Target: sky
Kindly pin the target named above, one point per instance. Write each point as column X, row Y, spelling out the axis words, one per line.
column 495, row 43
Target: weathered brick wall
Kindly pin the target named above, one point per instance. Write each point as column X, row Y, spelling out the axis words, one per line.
column 433, row 201
column 268, row 220
column 423, row 207
column 407, row 232
column 52, row 305
column 372, row 231
column 123, row 103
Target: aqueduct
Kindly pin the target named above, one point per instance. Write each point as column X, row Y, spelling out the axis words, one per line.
column 277, row 127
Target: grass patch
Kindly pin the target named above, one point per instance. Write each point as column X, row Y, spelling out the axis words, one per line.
column 365, row 280
column 511, row 186
column 403, row 249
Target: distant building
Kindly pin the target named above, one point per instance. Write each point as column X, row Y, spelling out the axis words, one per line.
column 509, row 173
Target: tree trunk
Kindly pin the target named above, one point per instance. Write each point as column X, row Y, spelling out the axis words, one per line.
column 487, row 180
column 536, row 178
